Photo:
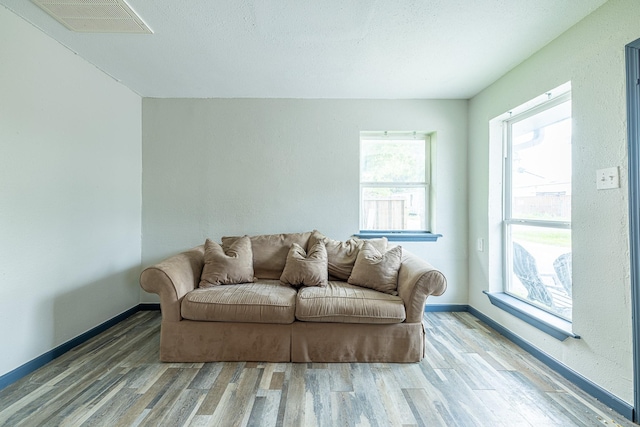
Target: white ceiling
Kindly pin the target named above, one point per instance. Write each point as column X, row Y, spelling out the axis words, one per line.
column 319, row 48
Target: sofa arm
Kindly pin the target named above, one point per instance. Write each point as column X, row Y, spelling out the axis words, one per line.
column 172, row 279
column 417, row 279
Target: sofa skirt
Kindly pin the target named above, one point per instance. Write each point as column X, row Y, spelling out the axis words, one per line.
column 353, row 342
column 194, row 341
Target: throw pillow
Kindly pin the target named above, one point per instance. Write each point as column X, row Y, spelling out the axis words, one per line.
column 342, row 255
column 376, row 270
column 226, row 267
column 306, row 269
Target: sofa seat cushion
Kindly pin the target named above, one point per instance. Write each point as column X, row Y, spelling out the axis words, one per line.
column 265, row 301
column 340, row 302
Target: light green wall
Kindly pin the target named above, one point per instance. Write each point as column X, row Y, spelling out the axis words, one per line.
column 591, row 56
column 70, row 194
column 215, row 167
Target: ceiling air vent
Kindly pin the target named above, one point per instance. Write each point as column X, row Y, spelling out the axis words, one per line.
column 95, row 16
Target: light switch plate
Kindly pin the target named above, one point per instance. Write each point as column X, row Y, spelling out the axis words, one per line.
column 607, row 178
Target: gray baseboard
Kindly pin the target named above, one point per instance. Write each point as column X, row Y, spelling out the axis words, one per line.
column 430, row 308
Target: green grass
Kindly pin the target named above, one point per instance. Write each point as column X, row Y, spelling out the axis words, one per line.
column 560, row 238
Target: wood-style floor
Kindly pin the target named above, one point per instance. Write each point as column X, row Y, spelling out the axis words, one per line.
column 472, row 376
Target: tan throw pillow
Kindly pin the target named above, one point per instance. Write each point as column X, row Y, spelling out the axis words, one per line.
column 306, row 269
column 342, row 255
column 226, row 267
column 375, row 270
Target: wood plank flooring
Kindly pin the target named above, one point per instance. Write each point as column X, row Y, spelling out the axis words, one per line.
column 472, row 376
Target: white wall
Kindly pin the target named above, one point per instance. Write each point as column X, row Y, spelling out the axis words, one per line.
column 215, row 167
column 70, row 194
column 591, row 56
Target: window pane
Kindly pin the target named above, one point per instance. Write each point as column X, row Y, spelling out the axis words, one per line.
column 541, row 165
column 540, row 267
column 393, row 208
column 392, row 160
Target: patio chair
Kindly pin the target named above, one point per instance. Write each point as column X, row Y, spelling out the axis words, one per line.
column 562, row 266
column 526, row 269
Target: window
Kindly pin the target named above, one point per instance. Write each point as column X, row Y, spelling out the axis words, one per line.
column 394, row 182
column 537, row 206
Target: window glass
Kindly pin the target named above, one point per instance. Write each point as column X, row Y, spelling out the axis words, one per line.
column 392, row 161
column 537, row 223
column 393, row 208
column 394, row 190
column 541, row 165
column 541, row 267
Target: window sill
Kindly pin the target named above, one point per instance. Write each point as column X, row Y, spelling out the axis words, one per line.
column 546, row 322
column 400, row 236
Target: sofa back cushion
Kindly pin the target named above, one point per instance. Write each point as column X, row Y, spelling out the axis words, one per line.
column 342, row 255
column 270, row 251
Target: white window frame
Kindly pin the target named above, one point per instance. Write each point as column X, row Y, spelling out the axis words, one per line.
column 426, row 184
column 508, row 219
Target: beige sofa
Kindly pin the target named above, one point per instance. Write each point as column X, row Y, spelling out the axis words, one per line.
column 269, row 321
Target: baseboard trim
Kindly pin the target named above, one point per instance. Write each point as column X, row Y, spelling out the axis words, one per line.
column 604, row 396
column 149, row 306
column 29, row 367
column 430, row 308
